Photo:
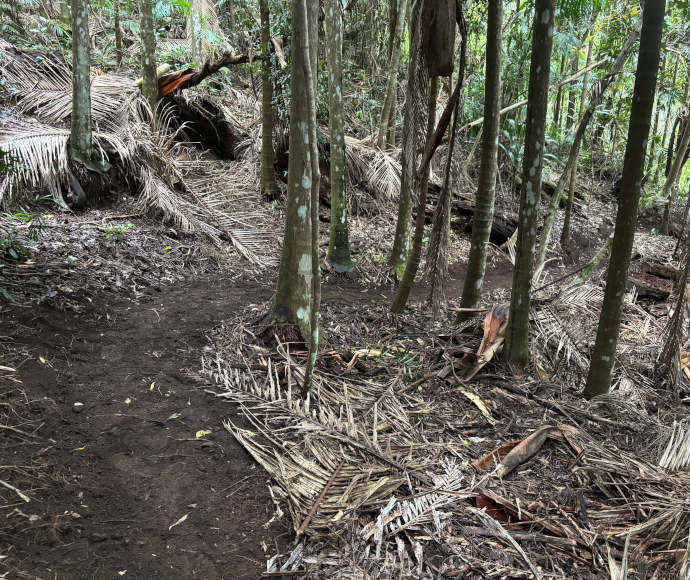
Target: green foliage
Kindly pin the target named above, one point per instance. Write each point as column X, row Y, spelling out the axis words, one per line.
column 116, row 233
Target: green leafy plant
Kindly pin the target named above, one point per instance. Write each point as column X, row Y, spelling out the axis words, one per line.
column 116, row 233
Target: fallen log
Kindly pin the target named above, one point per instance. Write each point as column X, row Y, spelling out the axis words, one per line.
column 649, row 286
column 191, row 77
column 502, row 227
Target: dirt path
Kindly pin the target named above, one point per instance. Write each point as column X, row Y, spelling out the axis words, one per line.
column 126, row 465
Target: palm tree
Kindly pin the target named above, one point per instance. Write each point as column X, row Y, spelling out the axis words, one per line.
column 599, row 376
column 517, row 334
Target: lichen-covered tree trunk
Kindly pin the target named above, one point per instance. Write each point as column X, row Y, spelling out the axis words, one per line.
column 414, row 124
column 292, row 302
column 517, row 335
column 80, row 135
column 599, row 375
column 149, row 87
column 392, row 76
column 269, row 184
column 338, row 245
column 392, row 20
column 118, row 33
column 667, row 191
column 486, row 190
column 195, row 32
column 565, row 232
column 306, row 52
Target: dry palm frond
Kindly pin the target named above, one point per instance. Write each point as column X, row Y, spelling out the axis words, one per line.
column 39, row 156
column 43, row 87
column 676, row 456
column 377, row 170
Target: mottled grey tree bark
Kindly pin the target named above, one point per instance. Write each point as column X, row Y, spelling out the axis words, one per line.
column 80, row 135
column 149, row 86
column 486, row 190
column 392, row 76
column 292, row 302
column 414, row 123
column 338, row 245
column 599, row 376
column 517, row 334
column 269, row 183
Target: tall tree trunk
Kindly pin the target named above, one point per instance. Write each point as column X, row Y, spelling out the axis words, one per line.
column 118, row 34
column 269, row 184
column 517, row 335
column 596, row 98
column 669, row 105
column 194, row 30
column 392, row 76
column 401, row 296
column 559, row 98
column 392, row 20
column 338, row 245
column 310, row 21
column 80, row 134
column 149, row 87
column 599, row 376
column 64, row 13
column 413, row 133
column 570, row 114
column 655, row 124
column 486, row 190
column 667, row 193
column 293, row 299
column 565, row 233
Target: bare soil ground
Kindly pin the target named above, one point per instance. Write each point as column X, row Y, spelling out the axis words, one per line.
column 124, row 466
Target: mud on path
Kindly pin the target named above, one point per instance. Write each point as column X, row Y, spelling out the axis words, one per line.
column 125, row 466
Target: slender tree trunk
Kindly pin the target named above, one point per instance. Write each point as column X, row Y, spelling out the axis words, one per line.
column 669, row 105
column 599, row 376
column 392, row 76
column 565, row 233
column 309, row 67
column 392, row 20
column 64, row 13
column 194, row 29
column 413, row 134
column 655, row 124
column 407, row 281
column 667, row 193
column 517, row 336
column 149, row 86
column 486, row 190
column 559, row 98
column 604, row 83
column 338, row 245
column 293, row 299
column 80, row 135
column 570, row 114
column 118, row 34
column 269, row 184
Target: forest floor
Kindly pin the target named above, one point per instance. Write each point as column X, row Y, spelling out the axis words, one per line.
column 105, row 431
column 118, row 462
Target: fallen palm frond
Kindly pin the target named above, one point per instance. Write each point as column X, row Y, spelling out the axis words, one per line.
column 381, row 472
column 42, row 86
